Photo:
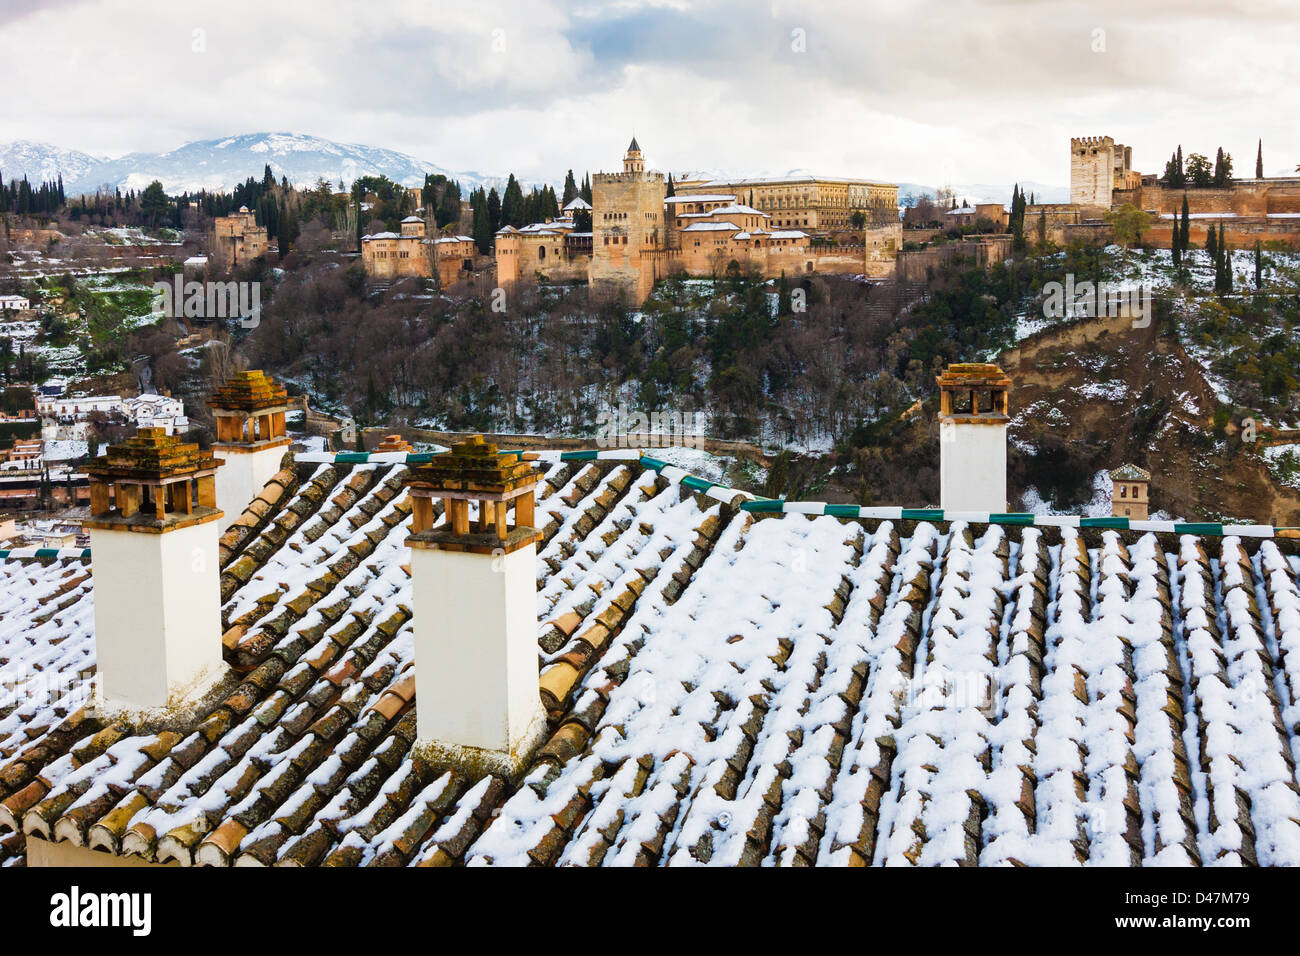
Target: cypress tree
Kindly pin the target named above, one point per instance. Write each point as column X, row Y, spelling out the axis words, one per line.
column 1259, row 264
column 571, row 188
column 1210, row 245
column 493, row 209
column 1259, row 161
column 1185, row 230
column 512, row 203
column 672, row 189
column 482, row 228
column 1226, row 255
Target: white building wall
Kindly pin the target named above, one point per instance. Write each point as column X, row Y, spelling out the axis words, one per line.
column 242, row 478
column 475, row 629
column 157, row 614
column 973, row 467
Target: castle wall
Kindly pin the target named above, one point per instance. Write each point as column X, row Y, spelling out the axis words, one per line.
column 396, row 258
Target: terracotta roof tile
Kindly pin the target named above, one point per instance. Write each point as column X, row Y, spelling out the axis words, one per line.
column 707, row 704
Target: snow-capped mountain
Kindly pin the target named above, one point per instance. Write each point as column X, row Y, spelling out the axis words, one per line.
column 41, row 162
column 221, row 164
column 987, row 192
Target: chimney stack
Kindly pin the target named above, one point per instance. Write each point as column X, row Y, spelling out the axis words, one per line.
column 251, row 439
column 153, row 539
column 474, row 577
column 973, row 405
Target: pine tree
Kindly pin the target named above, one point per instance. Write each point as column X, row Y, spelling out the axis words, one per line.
column 1259, row 161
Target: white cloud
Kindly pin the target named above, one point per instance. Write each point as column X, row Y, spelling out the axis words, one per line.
column 966, row 90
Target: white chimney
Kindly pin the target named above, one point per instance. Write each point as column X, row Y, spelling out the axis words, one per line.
column 973, row 406
column 475, row 610
column 153, row 540
column 250, row 412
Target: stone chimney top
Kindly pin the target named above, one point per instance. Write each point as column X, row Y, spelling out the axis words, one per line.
column 394, row 443
column 250, row 391
column 250, row 410
column 473, row 471
column 152, row 482
column 973, row 390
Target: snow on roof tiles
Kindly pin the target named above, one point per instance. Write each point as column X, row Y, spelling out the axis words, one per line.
column 703, row 197
column 712, row 227
column 917, row 694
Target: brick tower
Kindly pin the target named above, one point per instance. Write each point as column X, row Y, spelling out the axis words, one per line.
column 627, row 226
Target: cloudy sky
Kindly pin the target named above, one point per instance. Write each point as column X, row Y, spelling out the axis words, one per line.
column 930, row 91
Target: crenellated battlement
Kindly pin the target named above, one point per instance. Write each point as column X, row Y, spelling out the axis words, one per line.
column 1084, row 141
column 627, row 177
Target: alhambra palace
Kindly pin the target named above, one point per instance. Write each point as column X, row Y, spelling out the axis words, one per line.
column 792, row 226
column 641, row 234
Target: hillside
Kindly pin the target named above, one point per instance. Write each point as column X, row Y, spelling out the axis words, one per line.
column 1094, row 394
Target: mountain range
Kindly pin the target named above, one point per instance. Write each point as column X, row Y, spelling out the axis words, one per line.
column 221, row 164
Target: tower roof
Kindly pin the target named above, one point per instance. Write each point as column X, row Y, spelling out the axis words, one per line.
column 1130, row 472
column 633, row 147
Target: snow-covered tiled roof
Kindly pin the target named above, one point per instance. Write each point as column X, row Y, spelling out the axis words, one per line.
column 412, row 219
column 789, row 234
column 381, row 235
column 961, row 211
column 703, row 197
column 739, row 209
column 712, row 227
column 916, row 693
column 576, row 203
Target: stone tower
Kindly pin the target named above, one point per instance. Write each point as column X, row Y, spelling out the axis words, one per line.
column 474, row 580
column 1129, row 492
column 1098, row 166
column 627, row 226
column 153, row 539
column 973, row 405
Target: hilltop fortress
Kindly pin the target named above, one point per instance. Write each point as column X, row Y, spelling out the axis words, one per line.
column 1102, row 179
column 707, row 228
